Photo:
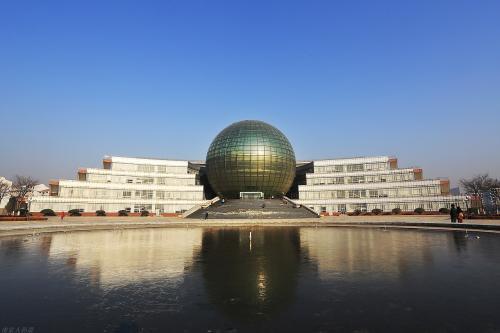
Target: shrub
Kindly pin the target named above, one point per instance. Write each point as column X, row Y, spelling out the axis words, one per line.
column 356, row 212
column 144, row 213
column 122, row 212
column 100, row 212
column 419, row 210
column 74, row 212
column 48, row 212
column 444, row 210
column 396, row 211
column 473, row 211
column 376, row 211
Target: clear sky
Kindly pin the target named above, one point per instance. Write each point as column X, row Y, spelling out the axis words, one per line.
column 419, row 80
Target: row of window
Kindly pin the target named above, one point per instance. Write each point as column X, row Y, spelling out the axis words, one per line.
column 98, row 178
column 396, row 177
column 149, row 168
column 402, row 192
column 385, row 207
column 352, row 167
column 128, row 194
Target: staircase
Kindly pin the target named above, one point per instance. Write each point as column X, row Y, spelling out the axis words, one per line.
column 254, row 209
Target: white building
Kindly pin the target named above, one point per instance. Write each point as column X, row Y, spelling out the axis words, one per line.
column 131, row 184
column 168, row 186
column 367, row 183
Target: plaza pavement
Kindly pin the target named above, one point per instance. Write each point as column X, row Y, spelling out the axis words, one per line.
column 54, row 224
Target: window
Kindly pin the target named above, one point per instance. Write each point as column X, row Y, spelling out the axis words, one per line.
column 145, row 194
column 145, row 181
column 354, row 194
column 355, row 167
column 145, row 168
column 127, row 194
column 358, row 179
column 362, row 207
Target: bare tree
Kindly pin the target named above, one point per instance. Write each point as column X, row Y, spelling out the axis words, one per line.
column 495, row 193
column 480, row 184
column 22, row 186
column 477, row 184
column 11, row 206
column 4, row 189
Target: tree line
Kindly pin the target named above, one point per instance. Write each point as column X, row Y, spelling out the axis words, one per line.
column 481, row 186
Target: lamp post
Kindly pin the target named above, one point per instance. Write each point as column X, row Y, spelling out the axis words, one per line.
column 29, row 209
column 467, row 204
column 21, row 197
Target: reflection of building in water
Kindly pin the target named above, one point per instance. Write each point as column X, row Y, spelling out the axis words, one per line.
column 248, row 281
column 354, row 252
column 114, row 259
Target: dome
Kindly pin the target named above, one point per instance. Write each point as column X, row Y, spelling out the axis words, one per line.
column 250, row 156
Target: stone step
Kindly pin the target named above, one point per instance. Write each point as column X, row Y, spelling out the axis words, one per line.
column 252, row 209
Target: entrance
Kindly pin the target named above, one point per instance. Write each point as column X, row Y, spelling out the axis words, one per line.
column 251, row 195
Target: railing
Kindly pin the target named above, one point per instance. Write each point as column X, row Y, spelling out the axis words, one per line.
column 299, row 205
column 195, row 208
column 210, row 202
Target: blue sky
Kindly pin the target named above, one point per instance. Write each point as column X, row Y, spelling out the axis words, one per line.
column 419, row 80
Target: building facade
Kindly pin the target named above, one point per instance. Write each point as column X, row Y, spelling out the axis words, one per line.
column 124, row 183
column 367, row 183
column 169, row 186
column 248, row 157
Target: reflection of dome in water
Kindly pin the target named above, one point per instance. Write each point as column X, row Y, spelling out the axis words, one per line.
column 250, row 156
column 248, row 282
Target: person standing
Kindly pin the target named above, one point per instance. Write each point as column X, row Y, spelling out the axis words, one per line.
column 453, row 213
column 460, row 214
